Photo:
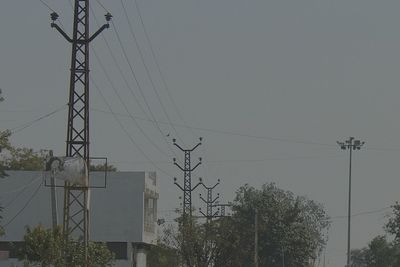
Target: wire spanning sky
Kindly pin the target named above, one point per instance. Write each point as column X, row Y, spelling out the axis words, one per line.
column 270, row 85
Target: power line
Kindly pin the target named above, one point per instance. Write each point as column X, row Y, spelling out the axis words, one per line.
column 100, row 4
column 124, row 105
column 137, row 82
column 46, row 5
column 120, row 69
column 22, row 190
column 30, row 123
column 22, row 187
column 50, row 9
column 361, row 213
column 19, row 110
column 24, row 207
column 147, row 70
column 159, row 67
column 277, row 139
column 130, row 89
column 218, row 161
column 126, row 132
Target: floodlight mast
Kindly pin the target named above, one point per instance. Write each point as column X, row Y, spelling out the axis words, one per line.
column 76, row 198
column 350, row 144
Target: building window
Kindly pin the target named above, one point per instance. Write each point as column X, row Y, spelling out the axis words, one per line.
column 150, row 214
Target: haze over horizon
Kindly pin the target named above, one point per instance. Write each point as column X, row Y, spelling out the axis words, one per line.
column 270, row 86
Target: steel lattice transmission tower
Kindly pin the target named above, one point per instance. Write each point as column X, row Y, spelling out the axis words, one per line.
column 76, row 198
column 209, row 215
column 187, row 178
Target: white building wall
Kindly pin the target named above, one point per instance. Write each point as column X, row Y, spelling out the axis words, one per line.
column 117, row 211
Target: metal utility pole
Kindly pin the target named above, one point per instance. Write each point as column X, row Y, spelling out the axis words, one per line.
column 187, row 179
column 256, row 238
column 54, row 213
column 350, row 144
column 76, row 197
column 209, row 202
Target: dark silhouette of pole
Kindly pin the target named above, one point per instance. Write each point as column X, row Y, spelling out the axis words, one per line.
column 350, row 144
column 256, row 238
column 76, row 197
column 54, row 215
column 209, row 202
column 187, row 179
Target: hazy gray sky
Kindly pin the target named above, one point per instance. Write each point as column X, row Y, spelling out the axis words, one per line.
column 309, row 72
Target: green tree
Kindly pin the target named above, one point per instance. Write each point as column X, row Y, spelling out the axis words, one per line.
column 25, row 159
column 358, row 258
column 162, row 255
column 15, row 158
column 103, row 167
column 378, row 253
column 44, row 247
column 393, row 225
column 289, row 226
column 4, row 147
column 381, row 253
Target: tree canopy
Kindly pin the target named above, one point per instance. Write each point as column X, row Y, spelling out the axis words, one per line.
column 290, row 228
column 45, row 247
column 380, row 252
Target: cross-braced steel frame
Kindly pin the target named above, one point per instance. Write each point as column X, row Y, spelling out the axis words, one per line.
column 210, row 214
column 187, row 178
column 76, row 198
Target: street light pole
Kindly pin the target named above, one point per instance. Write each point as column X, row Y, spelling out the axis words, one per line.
column 350, row 144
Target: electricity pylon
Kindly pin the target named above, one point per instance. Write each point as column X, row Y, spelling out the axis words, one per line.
column 209, row 215
column 187, row 179
column 76, row 197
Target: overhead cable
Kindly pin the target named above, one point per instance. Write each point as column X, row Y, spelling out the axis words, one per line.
column 32, row 181
column 24, row 207
column 159, row 68
column 46, row 5
column 120, row 69
column 277, row 139
column 30, row 123
column 138, row 84
column 125, row 107
column 127, row 133
column 148, row 71
column 360, row 213
column 100, row 4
